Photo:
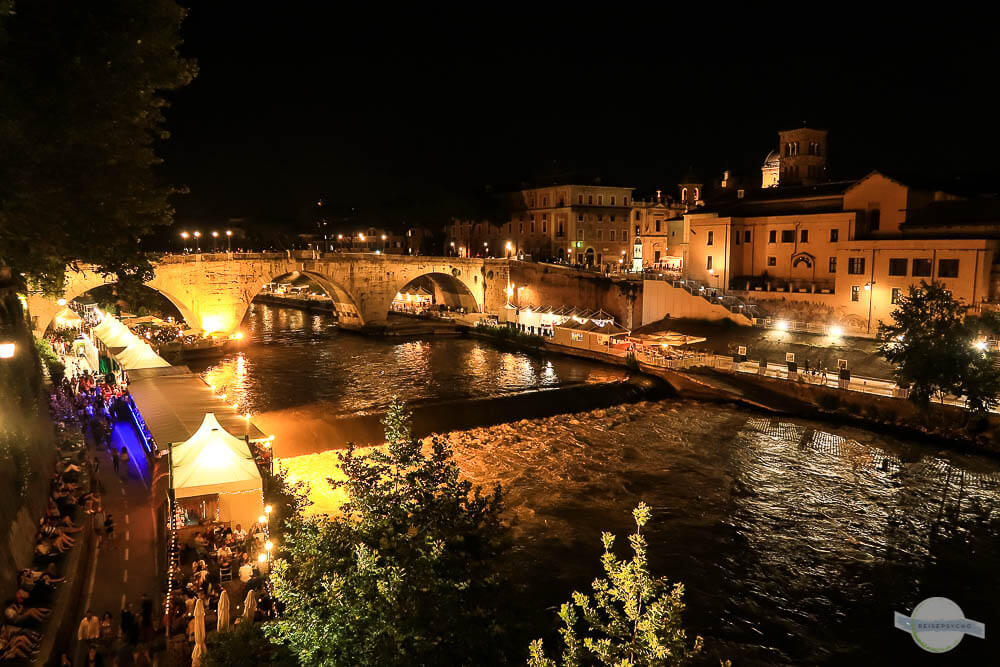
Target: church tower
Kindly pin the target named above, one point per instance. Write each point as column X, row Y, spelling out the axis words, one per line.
column 802, row 155
column 690, row 191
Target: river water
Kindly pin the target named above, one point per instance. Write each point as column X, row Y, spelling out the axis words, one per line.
column 796, row 540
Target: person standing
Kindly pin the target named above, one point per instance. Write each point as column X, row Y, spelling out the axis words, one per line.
column 124, row 459
column 114, row 460
column 90, row 627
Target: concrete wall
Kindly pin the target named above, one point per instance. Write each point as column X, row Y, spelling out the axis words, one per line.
column 552, row 285
column 660, row 299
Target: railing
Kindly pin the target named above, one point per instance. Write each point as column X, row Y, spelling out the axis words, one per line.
column 820, row 328
column 682, row 361
column 715, row 295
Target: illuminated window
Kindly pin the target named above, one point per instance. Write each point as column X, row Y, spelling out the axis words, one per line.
column 897, row 295
column 696, row 193
column 684, row 194
column 855, row 292
column 576, row 335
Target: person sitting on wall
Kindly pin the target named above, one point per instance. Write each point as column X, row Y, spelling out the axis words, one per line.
column 18, row 614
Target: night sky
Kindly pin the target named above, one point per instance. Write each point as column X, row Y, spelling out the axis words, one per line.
column 409, row 118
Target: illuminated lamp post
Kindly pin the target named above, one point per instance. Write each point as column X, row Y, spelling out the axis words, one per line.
column 509, row 247
column 215, row 240
column 452, row 251
column 197, row 237
column 229, row 240
column 486, row 247
column 185, row 236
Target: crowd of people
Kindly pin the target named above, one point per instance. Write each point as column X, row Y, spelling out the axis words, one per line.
column 74, row 499
column 218, row 558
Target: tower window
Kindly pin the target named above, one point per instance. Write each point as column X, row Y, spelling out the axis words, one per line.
column 684, row 194
column 696, row 194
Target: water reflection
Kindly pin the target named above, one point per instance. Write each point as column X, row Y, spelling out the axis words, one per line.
column 292, row 359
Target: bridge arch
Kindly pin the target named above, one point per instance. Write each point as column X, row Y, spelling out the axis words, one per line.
column 445, row 289
column 344, row 302
column 44, row 308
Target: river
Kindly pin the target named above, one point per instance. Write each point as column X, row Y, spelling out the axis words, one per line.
column 796, row 540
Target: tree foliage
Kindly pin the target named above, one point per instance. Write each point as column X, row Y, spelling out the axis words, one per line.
column 82, row 87
column 245, row 645
column 938, row 349
column 632, row 618
column 407, row 574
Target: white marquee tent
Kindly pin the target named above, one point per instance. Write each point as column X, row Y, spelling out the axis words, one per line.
column 113, row 333
column 214, row 466
column 139, row 355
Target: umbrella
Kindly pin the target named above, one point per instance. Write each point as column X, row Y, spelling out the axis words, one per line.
column 223, row 623
column 250, row 607
column 199, row 633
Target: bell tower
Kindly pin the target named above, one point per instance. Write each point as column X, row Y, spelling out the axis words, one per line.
column 802, row 155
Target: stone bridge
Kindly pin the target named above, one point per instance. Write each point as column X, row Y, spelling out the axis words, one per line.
column 213, row 291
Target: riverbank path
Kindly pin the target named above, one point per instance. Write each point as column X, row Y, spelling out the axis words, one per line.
column 126, row 565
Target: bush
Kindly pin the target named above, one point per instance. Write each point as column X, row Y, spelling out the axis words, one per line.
column 56, row 368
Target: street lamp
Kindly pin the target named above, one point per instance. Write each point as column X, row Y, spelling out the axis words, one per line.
column 509, row 248
column 215, row 237
column 229, row 240
column 184, row 236
column 197, row 235
column 871, row 297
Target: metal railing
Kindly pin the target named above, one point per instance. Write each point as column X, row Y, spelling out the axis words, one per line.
column 720, row 297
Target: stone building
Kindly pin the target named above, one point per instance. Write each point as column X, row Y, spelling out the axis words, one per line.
column 579, row 224
column 851, row 248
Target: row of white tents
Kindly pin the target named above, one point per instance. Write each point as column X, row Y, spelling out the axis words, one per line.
column 130, row 351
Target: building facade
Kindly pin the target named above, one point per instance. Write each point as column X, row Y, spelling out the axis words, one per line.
column 577, row 224
column 844, row 247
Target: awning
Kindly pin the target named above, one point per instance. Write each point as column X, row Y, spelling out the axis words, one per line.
column 173, row 402
column 211, row 461
column 139, row 355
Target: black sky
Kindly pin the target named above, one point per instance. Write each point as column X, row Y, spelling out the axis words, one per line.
column 405, row 115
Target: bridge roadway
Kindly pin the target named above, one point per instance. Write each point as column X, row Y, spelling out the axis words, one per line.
column 213, row 291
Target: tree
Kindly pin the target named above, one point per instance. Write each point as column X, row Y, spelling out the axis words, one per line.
column 407, row 574
column 926, row 341
column 938, row 349
column 245, row 645
column 82, row 87
column 632, row 618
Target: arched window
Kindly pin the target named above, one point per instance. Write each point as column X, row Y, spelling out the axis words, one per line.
column 696, row 194
column 684, row 194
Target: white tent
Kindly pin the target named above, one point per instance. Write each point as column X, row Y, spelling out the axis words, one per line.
column 212, row 462
column 113, row 333
column 67, row 318
column 139, row 355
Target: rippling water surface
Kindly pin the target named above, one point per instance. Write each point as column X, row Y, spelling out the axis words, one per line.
column 796, row 540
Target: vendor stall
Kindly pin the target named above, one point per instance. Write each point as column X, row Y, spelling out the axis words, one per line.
column 214, row 477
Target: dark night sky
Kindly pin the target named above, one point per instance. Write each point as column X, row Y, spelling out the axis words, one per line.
column 406, row 115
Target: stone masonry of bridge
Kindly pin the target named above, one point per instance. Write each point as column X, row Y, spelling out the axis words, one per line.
column 213, row 291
